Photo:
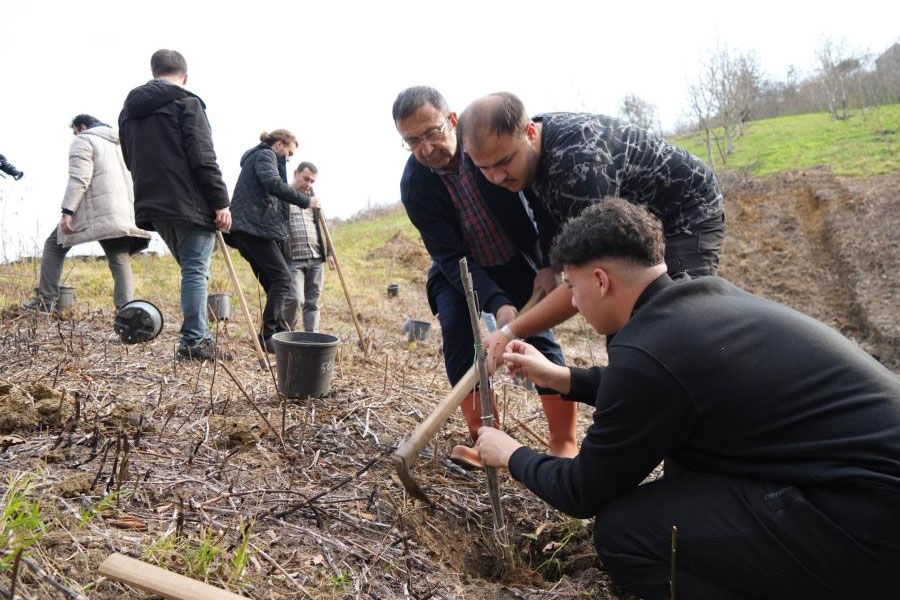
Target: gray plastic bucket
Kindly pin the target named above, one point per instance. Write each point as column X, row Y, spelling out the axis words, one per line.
column 418, row 330
column 219, row 306
column 304, row 362
column 66, row 297
column 138, row 321
column 393, row 290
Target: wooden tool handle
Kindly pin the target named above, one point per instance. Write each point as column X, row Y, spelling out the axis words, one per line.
column 426, row 430
column 337, row 265
column 159, row 581
column 237, row 289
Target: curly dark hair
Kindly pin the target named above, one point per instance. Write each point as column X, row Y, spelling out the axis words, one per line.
column 611, row 228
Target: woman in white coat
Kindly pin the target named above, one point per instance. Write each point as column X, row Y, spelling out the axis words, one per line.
column 98, row 206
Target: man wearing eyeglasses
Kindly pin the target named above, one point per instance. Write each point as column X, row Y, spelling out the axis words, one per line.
column 458, row 213
column 568, row 161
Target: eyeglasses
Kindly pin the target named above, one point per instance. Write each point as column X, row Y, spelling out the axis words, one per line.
column 432, row 136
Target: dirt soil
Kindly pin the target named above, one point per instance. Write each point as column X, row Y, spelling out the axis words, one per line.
column 205, row 470
column 826, row 246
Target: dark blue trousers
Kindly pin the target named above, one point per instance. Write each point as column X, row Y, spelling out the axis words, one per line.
column 449, row 303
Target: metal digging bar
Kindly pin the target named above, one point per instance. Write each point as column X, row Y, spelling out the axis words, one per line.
column 407, row 453
column 487, row 411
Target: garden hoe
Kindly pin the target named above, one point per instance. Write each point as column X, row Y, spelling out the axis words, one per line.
column 408, row 451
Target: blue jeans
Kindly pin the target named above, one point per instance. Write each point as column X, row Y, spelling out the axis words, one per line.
column 192, row 247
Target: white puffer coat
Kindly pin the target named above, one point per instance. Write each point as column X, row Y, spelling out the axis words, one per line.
column 100, row 192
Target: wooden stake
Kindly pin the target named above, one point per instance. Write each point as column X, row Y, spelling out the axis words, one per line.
column 237, row 289
column 155, row 580
column 337, row 266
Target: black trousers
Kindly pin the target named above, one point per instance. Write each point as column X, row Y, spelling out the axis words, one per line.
column 696, row 253
column 744, row 538
column 267, row 262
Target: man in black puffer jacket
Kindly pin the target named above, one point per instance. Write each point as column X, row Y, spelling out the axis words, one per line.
column 178, row 187
column 261, row 217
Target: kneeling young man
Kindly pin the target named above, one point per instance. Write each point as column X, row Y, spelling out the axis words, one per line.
column 785, row 435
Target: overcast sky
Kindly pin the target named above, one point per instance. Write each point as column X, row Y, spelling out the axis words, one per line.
column 330, row 70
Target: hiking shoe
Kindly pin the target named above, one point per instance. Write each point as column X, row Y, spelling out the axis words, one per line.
column 40, row 305
column 202, row 350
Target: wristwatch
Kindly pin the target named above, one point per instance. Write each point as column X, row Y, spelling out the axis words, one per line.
column 508, row 333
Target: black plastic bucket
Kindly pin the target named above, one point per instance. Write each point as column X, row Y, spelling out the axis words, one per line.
column 304, row 362
column 393, row 290
column 138, row 321
column 219, row 307
column 418, row 330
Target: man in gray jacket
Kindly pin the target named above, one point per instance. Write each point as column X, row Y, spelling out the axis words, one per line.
column 98, row 206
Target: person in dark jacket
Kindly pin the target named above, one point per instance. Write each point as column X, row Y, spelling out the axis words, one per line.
column 178, row 187
column 459, row 214
column 260, row 210
column 784, row 435
column 569, row 161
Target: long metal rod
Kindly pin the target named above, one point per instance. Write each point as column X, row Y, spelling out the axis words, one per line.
column 408, row 451
column 237, row 289
column 487, row 410
column 337, row 266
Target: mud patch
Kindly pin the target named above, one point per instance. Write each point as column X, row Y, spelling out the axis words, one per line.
column 232, row 432
column 824, row 246
column 17, row 412
column 403, row 250
column 126, row 415
column 77, row 485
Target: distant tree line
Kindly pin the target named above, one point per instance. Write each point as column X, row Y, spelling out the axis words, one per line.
column 731, row 90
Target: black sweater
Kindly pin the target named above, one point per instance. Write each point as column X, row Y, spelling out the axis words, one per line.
column 725, row 382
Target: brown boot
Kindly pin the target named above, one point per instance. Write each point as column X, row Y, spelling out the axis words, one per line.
column 466, row 456
column 561, row 423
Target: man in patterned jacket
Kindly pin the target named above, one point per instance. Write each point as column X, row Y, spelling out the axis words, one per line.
column 459, row 213
column 571, row 160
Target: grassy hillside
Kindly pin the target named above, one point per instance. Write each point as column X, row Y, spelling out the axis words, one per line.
column 372, row 252
column 866, row 144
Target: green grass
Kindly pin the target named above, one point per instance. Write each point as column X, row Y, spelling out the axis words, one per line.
column 21, row 521
column 367, row 267
column 859, row 146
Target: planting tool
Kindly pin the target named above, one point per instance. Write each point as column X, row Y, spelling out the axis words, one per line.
column 237, row 288
column 487, row 409
column 408, row 451
column 337, row 266
column 158, row 581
